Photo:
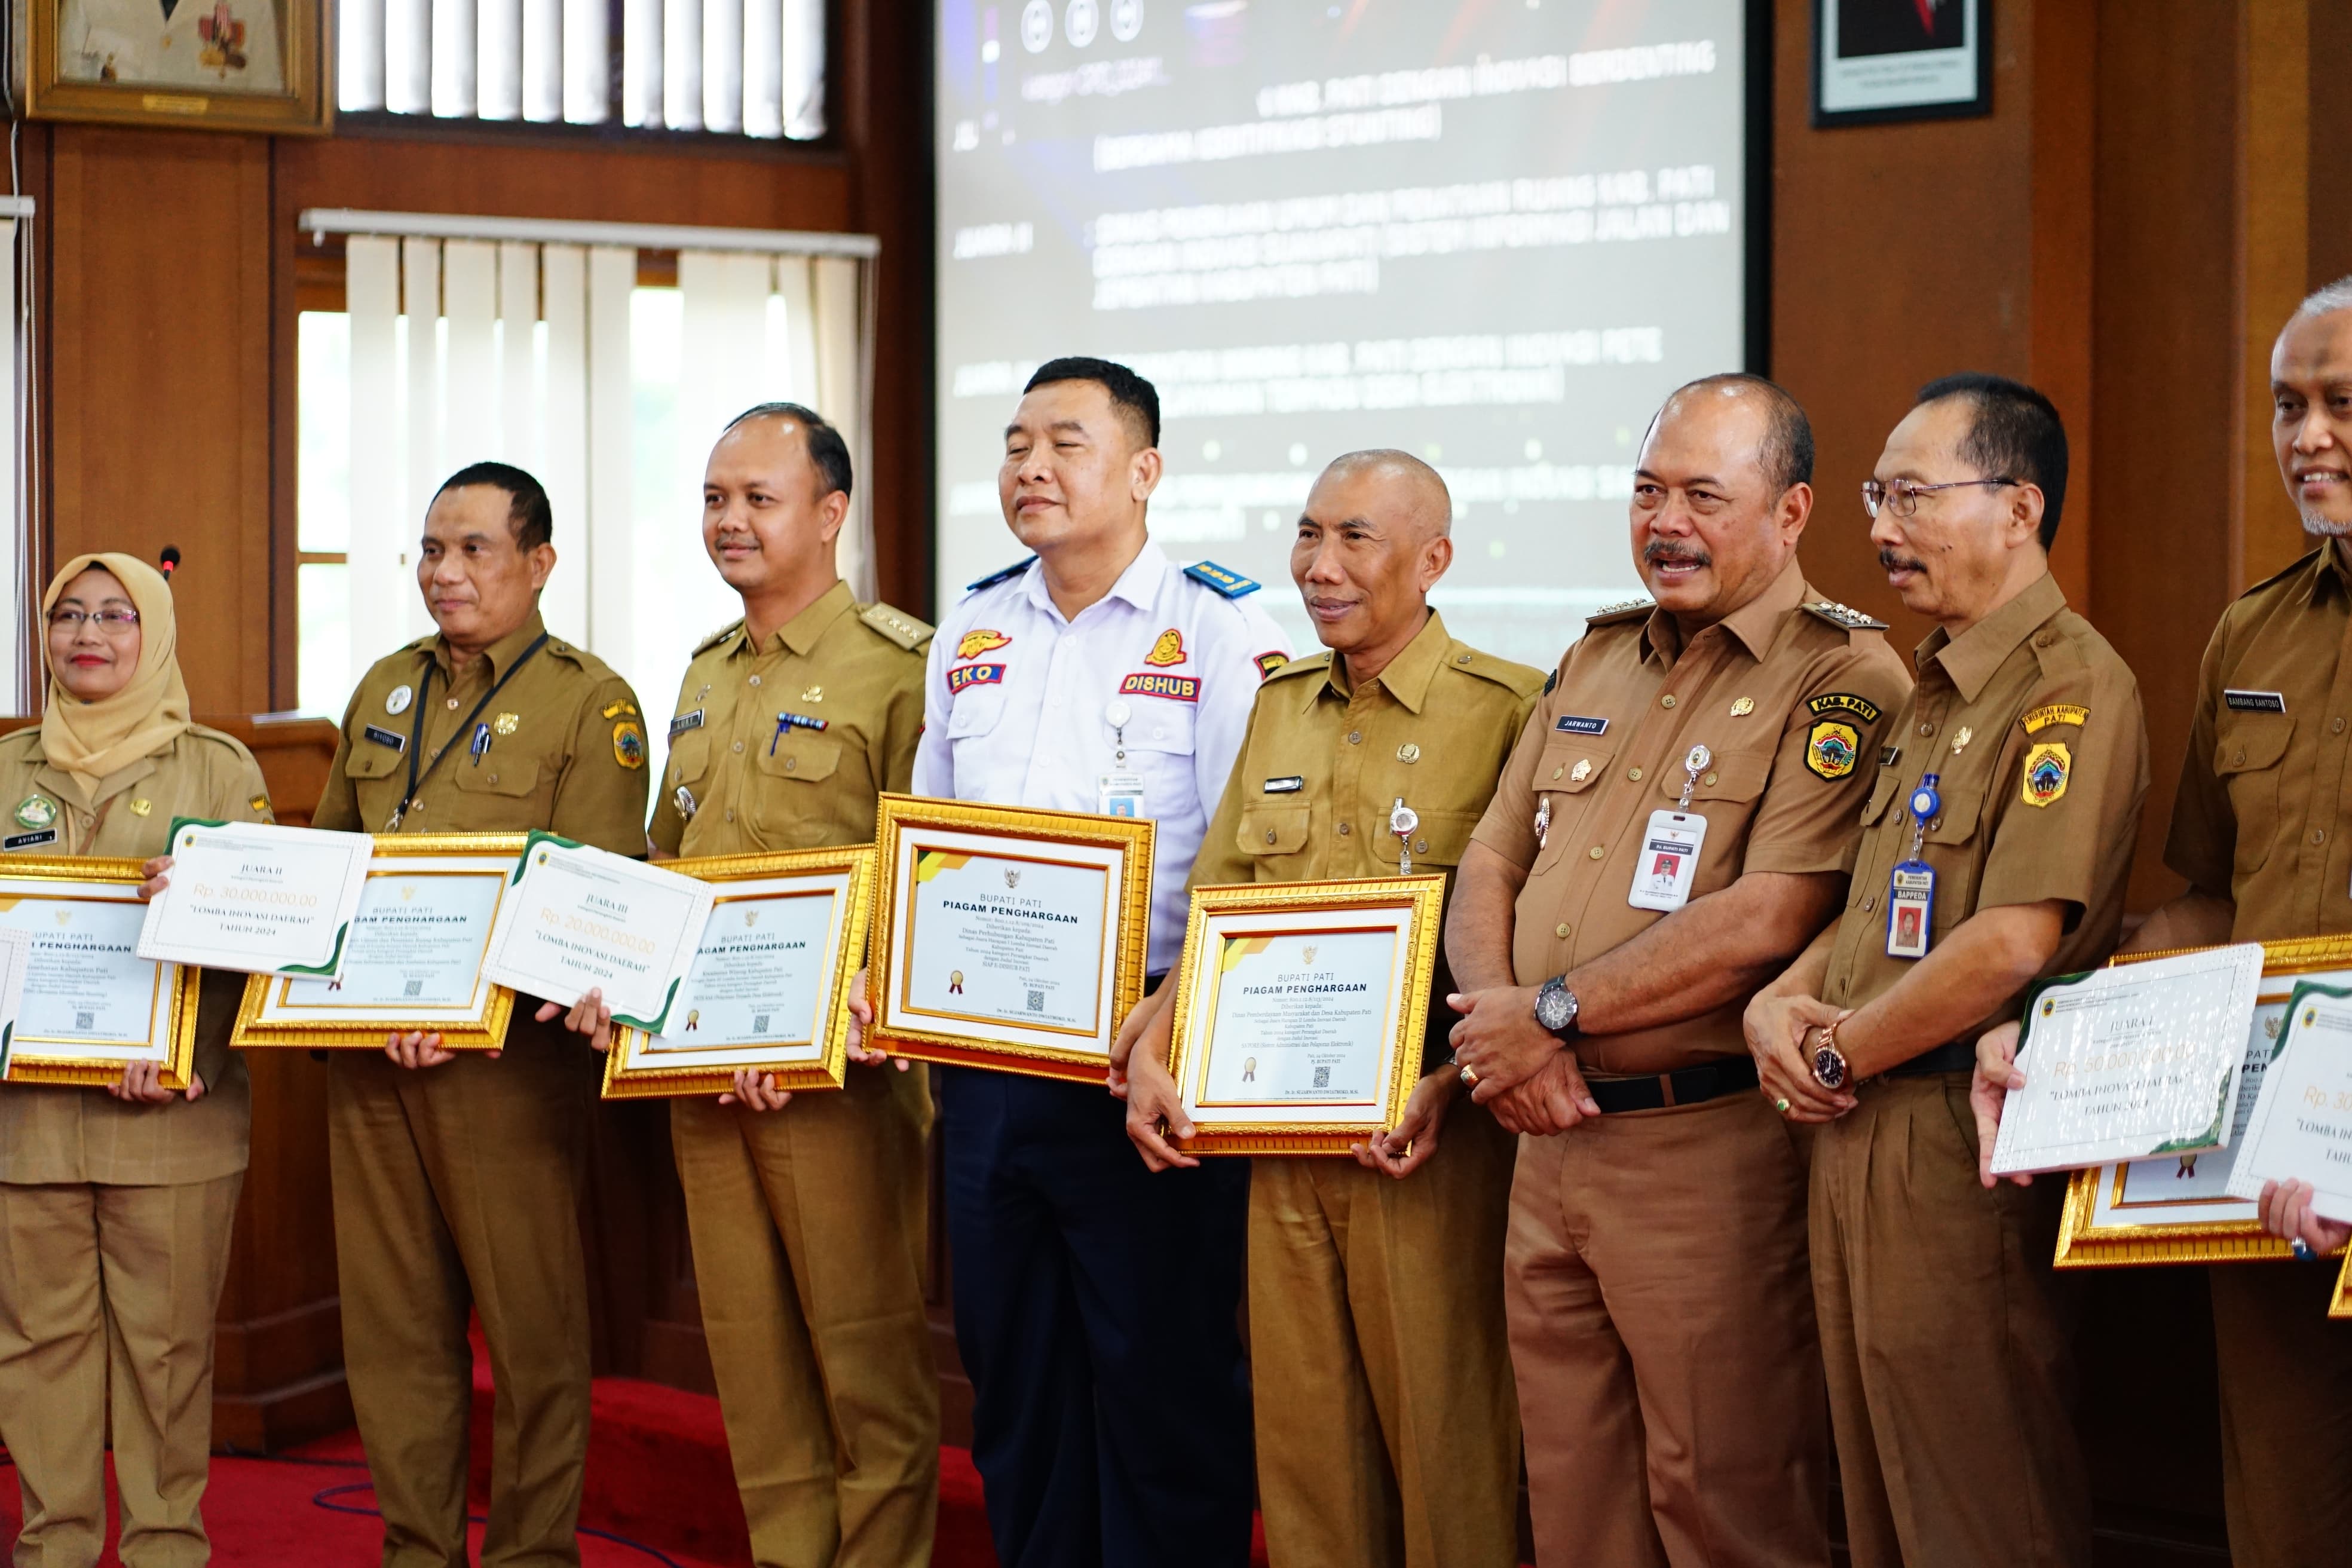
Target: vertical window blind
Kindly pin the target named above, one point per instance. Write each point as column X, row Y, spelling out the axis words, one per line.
column 747, row 68
column 20, row 590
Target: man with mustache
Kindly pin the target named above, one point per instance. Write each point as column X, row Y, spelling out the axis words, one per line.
column 1672, row 828
column 2003, row 815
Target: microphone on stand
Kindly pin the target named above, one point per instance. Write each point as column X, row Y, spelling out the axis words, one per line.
column 170, row 560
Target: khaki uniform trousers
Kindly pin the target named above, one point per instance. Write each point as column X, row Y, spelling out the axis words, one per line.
column 1662, row 1326
column 807, row 1226
column 457, row 1187
column 107, row 1299
column 1387, row 1431
column 1947, row 1342
column 2286, row 1414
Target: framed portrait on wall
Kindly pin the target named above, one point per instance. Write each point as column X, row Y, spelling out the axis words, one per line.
column 223, row 65
column 1881, row 60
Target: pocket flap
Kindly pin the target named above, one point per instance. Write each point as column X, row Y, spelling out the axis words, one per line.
column 1569, row 764
column 512, row 777
column 1442, row 837
column 1273, row 829
column 1955, row 820
column 975, row 712
column 370, row 760
column 1732, row 778
column 2248, row 743
column 802, row 755
column 1880, row 794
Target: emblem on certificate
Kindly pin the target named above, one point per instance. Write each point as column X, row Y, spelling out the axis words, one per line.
column 414, row 959
column 770, row 984
column 1008, row 938
column 90, row 1005
column 1301, row 1010
column 1911, row 890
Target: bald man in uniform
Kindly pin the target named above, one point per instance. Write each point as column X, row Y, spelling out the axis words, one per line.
column 458, row 1180
column 1672, row 828
column 1380, row 1442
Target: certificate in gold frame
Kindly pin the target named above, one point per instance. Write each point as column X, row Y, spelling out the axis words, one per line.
column 634, row 1068
column 2090, row 1234
column 34, row 1061
column 1243, row 919
column 913, row 836
column 271, row 1017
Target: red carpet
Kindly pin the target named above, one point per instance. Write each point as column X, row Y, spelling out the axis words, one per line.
column 659, row 1491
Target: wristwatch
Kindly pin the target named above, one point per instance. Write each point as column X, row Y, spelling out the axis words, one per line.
column 1555, row 1007
column 1829, row 1062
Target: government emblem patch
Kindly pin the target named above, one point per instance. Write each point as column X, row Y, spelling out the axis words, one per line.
column 2046, row 767
column 1831, row 749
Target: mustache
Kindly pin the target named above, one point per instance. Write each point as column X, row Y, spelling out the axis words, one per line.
column 1658, row 551
column 1893, row 563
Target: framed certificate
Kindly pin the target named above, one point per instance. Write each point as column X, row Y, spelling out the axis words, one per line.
column 1300, row 1010
column 2177, row 1208
column 91, row 1006
column 414, row 958
column 768, row 986
column 1007, row 938
column 578, row 918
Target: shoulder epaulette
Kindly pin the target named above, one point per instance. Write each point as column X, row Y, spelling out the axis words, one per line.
column 1845, row 617
column 1304, row 664
column 1232, row 584
column 715, row 638
column 1611, row 615
column 1518, row 679
column 896, row 626
column 2300, row 564
column 994, row 578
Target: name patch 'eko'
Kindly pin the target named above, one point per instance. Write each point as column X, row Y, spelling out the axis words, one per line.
column 1175, row 687
column 1580, row 724
column 975, row 675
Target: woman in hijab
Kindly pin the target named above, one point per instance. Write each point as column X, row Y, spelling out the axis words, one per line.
column 116, row 1207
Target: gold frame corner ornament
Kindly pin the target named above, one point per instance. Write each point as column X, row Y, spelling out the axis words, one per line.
column 254, row 1032
column 1130, row 928
column 2083, row 1242
column 306, row 107
column 1423, row 893
column 70, row 1072
column 624, row 1081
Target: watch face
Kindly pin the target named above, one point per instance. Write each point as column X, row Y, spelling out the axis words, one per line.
column 1554, row 1007
column 1829, row 1067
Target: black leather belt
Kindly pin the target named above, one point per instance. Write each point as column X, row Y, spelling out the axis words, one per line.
column 1952, row 1056
column 1686, row 1086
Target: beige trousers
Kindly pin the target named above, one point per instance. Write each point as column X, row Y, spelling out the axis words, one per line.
column 107, row 1299
column 2286, row 1414
column 1388, row 1431
column 807, row 1226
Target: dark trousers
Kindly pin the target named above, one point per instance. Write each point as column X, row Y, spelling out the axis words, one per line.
column 1096, row 1310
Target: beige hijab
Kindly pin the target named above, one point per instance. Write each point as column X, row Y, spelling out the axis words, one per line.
column 92, row 739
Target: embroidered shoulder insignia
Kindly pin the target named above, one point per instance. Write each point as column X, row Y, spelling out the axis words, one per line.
column 1168, row 650
column 715, row 638
column 1624, row 610
column 2041, row 718
column 1845, row 616
column 1862, row 707
column 972, row 644
column 895, row 625
column 507, row 721
column 1232, row 584
column 994, row 578
column 1831, row 750
column 2046, row 767
column 628, row 745
column 1267, row 663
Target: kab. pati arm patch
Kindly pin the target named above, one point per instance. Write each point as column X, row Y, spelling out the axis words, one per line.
column 1862, row 707
column 629, row 744
column 2041, row 718
column 2047, row 765
column 1832, row 749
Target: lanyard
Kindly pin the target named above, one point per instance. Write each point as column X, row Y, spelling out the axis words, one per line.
column 416, row 730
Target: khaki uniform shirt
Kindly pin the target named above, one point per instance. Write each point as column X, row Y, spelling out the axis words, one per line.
column 2032, row 725
column 1787, row 694
column 2259, row 818
column 740, row 778
column 55, row 1134
column 1321, row 767
column 567, row 749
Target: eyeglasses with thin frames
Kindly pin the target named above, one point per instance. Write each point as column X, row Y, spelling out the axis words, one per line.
column 113, row 622
column 1902, row 496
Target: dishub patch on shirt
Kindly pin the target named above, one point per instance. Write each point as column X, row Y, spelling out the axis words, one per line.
column 975, row 675
column 1176, row 688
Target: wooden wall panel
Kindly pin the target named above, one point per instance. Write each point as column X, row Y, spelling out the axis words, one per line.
column 157, row 269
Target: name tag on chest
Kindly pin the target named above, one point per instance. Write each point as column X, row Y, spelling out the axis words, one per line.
column 2253, row 701
column 29, row 840
column 383, row 737
column 1668, row 861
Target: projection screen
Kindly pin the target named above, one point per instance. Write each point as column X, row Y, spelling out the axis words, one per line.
column 1492, row 233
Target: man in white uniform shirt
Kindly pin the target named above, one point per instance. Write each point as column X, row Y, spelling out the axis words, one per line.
column 1095, row 1304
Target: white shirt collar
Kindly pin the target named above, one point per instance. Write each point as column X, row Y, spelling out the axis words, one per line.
column 1140, row 585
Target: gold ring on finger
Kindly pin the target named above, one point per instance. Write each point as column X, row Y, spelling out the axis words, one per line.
column 1781, row 1106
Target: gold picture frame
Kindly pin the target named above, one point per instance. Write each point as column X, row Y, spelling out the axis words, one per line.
column 172, row 1007
column 1255, row 921
column 2089, row 1234
column 272, row 1017
column 635, row 1067
column 217, row 65
column 918, row 841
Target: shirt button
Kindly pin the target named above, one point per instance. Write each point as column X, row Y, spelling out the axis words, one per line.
column 1596, row 852
column 1635, row 774
column 1709, row 781
column 1560, row 930
column 494, row 778
column 2240, row 756
column 1269, row 835
column 417, row 810
column 1926, row 729
column 1355, row 737
column 453, row 705
column 731, row 814
column 2319, row 835
column 2044, row 639
column 1870, row 903
column 738, row 745
column 1343, row 829
column 791, row 763
column 1461, row 658
column 1559, row 769
column 2336, row 725
column 1667, row 701
column 755, row 680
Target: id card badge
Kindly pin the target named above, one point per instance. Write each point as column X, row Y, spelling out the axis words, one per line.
column 1119, row 794
column 1668, row 862
column 1910, row 906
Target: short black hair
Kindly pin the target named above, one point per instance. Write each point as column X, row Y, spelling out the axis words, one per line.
column 826, row 450
column 528, row 513
column 2017, row 435
column 1132, row 396
column 1787, row 455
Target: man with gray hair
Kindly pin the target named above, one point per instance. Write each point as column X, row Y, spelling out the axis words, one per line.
column 1672, row 828
column 1387, row 1433
column 2257, row 828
